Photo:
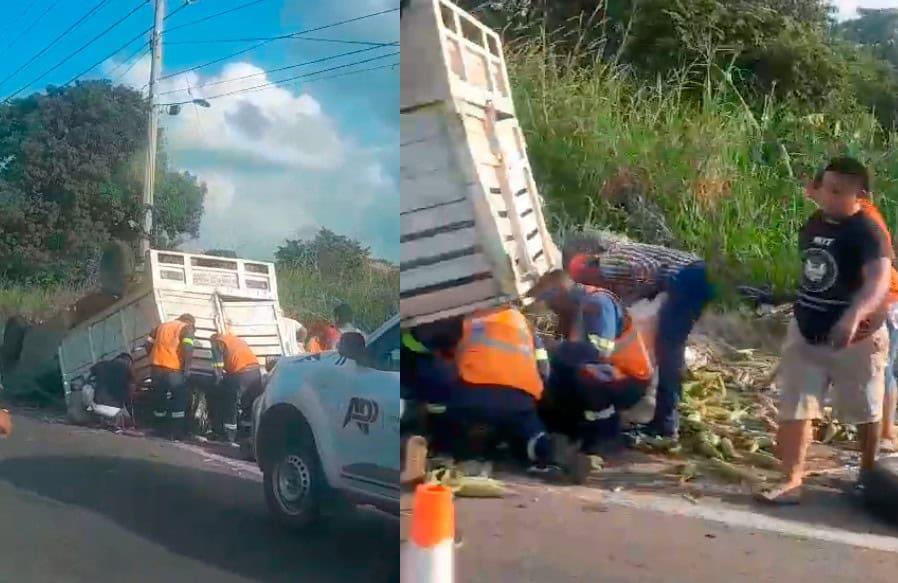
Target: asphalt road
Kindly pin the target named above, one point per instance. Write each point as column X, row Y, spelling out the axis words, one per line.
column 540, row 534
column 88, row 505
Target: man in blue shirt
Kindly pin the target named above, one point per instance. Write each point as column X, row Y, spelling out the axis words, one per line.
column 598, row 369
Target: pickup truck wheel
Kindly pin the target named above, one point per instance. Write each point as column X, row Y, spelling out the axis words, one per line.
column 293, row 486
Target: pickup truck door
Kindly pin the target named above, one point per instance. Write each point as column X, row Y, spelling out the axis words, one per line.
column 368, row 424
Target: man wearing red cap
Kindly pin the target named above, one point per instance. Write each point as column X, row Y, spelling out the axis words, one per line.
column 636, row 271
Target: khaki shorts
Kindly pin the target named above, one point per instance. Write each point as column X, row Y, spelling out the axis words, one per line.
column 856, row 373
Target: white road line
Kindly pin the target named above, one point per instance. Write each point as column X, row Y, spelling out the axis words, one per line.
column 710, row 511
column 747, row 520
column 240, row 466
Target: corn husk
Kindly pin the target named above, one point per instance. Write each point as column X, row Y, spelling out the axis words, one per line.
column 761, row 460
column 732, row 473
column 479, row 487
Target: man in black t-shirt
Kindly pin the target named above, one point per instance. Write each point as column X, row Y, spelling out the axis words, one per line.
column 837, row 337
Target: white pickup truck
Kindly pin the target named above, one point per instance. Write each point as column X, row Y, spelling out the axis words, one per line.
column 326, row 429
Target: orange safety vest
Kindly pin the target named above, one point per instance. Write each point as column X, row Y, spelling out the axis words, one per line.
column 497, row 349
column 314, row 345
column 238, row 356
column 870, row 209
column 629, row 355
column 166, row 346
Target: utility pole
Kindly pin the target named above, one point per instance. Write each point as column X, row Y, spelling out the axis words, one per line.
column 149, row 178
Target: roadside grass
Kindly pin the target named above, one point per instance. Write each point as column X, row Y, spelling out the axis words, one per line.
column 726, row 181
column 310, row 295
column 35, row 303
column 373, row 293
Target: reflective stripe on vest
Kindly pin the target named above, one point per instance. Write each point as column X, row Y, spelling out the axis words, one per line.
column 413, row 344
column 166, row 351
column 626, row 353
column 238, row 356
column 497, row 349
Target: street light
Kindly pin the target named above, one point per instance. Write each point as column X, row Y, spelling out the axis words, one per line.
column 175, row 108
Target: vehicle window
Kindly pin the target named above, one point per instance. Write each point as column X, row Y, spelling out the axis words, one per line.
column 384, row 352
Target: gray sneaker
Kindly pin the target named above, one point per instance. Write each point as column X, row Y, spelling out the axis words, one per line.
column 566, row 454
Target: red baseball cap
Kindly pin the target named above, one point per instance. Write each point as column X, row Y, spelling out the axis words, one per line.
column 582, row 268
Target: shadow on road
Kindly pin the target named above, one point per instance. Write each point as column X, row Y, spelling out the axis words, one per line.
column 212, row 517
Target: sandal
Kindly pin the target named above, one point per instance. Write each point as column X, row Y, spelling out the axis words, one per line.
column 782, row 495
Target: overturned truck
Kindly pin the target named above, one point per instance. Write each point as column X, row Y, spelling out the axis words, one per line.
column 223, row 294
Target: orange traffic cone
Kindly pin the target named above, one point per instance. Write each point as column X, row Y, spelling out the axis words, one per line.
column 428, row 557
column 5, row 423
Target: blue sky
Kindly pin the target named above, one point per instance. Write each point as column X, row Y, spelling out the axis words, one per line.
column 279, row 163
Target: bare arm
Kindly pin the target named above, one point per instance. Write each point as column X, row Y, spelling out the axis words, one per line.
column 876, row 275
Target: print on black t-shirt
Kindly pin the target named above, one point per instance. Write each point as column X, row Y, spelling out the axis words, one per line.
column 833, row 254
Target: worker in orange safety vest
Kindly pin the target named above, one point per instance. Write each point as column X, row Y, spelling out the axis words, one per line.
column 599, row 368
column 239, row 375
column 171, row 353
column 499, row 385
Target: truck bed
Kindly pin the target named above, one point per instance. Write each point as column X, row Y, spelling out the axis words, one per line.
column 472, row 227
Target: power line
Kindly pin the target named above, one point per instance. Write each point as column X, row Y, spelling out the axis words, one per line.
column 216, row 15
column 272, row 39
column 347, row 74
column 256, row 39
column 279, row 69
column 32, row 25
column 124, row 46
column 81, row 48
column 287, row 80
column 62, row 35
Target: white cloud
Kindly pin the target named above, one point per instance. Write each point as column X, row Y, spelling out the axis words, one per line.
column 848, row 8
column 271, row 126
column 220, row 192
column 275, row 162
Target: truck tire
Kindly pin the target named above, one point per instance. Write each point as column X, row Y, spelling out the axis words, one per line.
column 116, row 267
column 13, row 340
column 881, row 489
column 295, row 484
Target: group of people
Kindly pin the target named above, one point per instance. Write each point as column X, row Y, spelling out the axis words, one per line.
column 555, row 404
column 236, row 370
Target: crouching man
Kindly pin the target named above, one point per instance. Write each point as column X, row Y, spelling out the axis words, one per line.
column 499, row 385
column 239, row 375
column 601, row 366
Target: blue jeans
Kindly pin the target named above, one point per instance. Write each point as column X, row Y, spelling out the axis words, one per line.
column 510, row 413
column 891, row 383
column 689, row 291
column 569, row 396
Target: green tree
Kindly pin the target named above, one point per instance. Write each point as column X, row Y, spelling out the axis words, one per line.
column 71, row 168
column 221, row 253
column 328, row 253
column 876, row 30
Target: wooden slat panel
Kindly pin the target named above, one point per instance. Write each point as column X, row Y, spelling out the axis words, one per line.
column 435, row 302
column 431, row 189
column 443, row 271
column 438, row 244
column 255, row 329
column 424, row 220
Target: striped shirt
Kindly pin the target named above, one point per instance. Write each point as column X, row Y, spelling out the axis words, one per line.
column 634, row 271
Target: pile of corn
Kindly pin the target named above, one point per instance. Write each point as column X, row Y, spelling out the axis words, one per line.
column 728, row 420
